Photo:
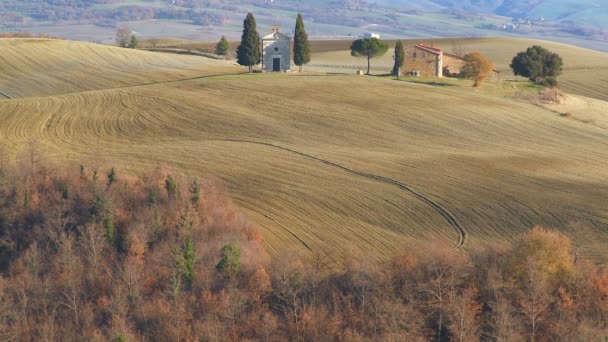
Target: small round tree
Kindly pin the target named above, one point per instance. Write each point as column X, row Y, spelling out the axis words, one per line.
column 222, row 47
column 537, row 64
column 477, row 67
column 369, row 48
column 399, row 59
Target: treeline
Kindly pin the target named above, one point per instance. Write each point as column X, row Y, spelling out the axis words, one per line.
column 93, row 253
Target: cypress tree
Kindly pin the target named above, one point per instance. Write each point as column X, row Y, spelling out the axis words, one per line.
column 399, row 59
column 301, row 46
column 248, row 53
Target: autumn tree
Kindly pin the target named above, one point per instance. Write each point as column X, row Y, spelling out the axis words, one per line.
column 301, row 46
column 550, row 251
column 464, row 311
column 248, row 52
column 368, row 48
column 541, row 260
column 477, row 67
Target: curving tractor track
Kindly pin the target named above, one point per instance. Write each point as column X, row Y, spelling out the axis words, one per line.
column 450, row 219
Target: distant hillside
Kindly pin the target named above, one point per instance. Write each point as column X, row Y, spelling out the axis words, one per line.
column 570, row 21
column 581, row 12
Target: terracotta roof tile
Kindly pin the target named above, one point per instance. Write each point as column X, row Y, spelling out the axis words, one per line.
column 429, row 48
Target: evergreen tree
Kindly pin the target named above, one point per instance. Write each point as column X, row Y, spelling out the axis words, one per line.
column 133, row 42
column 111, row 177
column 537, row 63
column 369, row 48
column 222, row 47
column 171, row 186
column 230, row 262
column 399, row 59
column 108, row 226
column 195, row 193
column 301, row 46
column 248, row 52
column 188, row 261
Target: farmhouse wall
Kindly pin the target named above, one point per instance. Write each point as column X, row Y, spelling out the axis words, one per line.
column 452, row 64
column 423, row 61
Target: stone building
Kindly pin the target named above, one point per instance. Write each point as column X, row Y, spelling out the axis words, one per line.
column 427, row 61
column 276, row 51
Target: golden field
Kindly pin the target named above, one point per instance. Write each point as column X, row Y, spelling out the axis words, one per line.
column 323, row 163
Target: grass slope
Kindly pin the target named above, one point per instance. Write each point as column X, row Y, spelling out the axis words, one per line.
column 342, row 164
column 585, row 71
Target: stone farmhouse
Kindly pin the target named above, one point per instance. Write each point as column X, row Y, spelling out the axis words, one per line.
column 427, row 61
column 276, row 51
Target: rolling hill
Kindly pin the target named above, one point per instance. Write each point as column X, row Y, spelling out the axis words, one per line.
column 585, row 71
column 333, row 164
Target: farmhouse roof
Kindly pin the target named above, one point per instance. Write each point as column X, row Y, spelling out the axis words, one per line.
column 430, row 49
column 438, row 51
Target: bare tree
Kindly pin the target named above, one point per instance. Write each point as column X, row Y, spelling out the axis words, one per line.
column 457, row 48
column 504, row 322
column 92, row 243
column 154, row 42
column 581, row 236
column 464, row 311
column 71, row 269
column 123, row 37
column 33, row 155
column 534, row 298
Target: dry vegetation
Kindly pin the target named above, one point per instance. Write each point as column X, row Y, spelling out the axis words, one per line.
column 338, row 165
column 99, row 255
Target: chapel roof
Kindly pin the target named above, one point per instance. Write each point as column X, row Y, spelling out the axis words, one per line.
column 276, row 35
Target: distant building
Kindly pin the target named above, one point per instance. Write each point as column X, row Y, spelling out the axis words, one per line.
column 276, row 51
column 428, row 61
column 371, row 35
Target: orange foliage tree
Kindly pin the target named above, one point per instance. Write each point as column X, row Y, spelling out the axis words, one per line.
column 477, row 67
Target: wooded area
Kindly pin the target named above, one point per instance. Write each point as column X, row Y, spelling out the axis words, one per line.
column 92, row 253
